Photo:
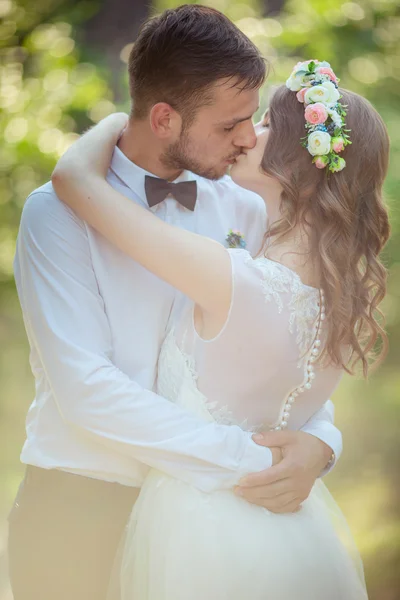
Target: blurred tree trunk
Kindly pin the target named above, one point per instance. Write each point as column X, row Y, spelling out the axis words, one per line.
column 115, row 25
column 272, row 8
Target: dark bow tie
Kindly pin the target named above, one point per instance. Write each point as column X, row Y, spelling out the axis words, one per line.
column 185, row 192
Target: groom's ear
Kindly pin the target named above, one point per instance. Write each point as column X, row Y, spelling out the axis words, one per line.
column 165, row 122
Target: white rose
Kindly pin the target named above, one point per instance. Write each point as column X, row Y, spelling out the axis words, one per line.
column 325, row 93
column 298, row 79
column 319, row 143
column 316, row 93
column 294, row 83
column 333, row 92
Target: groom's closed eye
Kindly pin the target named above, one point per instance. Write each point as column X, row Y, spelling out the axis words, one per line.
column 230, row 125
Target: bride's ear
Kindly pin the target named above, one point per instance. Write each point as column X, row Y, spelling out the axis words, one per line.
column 165, row 122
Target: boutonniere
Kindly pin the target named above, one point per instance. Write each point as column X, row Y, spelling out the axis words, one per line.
column 235, row 239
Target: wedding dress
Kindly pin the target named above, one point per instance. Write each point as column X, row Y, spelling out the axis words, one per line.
column 258, row 373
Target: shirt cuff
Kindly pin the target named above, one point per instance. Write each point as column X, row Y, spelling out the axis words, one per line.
column 256, row 458
column 332, row 438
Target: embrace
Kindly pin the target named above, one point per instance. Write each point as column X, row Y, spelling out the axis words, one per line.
column 188, row 327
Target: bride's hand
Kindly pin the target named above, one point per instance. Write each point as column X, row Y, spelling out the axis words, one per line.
column 91, row 154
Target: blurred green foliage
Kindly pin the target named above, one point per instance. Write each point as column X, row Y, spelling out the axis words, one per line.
column 53, row 84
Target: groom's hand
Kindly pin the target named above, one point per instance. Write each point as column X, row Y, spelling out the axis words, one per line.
column 284, row 486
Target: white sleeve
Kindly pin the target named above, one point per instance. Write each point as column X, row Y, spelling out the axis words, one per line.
column 66, row 321
column 321, row 425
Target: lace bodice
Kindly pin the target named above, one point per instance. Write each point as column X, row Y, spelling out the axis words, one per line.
column 247, row 373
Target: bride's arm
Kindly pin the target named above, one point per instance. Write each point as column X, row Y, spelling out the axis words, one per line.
column 195, row 265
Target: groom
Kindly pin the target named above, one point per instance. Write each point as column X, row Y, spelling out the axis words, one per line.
column 95, row 321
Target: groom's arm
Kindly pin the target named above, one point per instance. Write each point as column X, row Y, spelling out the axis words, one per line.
column 66, row 322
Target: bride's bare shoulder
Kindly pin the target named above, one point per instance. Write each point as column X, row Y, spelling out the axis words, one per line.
column 298, row 261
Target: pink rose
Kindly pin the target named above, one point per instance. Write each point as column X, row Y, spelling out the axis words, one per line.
column 316, row 113
column 328, row 71
column 300, row 94
column 321, row 161
column 338, row 144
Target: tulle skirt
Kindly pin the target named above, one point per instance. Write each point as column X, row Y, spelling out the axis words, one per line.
column 183, row 544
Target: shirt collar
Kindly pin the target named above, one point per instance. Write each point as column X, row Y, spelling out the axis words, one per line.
column 133, row 176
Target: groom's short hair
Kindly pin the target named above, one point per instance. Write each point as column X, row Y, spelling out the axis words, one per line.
column 180, row 54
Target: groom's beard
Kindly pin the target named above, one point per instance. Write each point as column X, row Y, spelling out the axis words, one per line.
column 178, row 156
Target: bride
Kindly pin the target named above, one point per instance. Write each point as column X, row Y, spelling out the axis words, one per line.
column 290, row 320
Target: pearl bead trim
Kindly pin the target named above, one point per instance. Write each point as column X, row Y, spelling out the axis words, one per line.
column 313, row 355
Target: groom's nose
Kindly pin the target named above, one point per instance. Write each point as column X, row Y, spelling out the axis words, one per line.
column 246, row 136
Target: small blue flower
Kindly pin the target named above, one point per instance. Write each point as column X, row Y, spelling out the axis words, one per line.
column 320, row 128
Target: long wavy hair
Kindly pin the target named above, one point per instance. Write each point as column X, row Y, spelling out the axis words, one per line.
column 345, row 218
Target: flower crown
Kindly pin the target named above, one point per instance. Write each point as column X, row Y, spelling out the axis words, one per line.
column 317, row 87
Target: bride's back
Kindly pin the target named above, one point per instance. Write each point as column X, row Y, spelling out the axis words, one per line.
column 260, row 370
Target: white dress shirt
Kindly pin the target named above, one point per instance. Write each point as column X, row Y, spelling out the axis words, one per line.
column 96, row 319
